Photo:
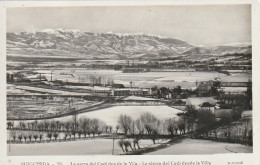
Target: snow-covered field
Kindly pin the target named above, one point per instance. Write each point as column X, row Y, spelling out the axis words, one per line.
column 32, row 107
column 139, row 98
column 111, row 115
column 50, row 91
column 95, row 146
column 234, row 89
column 194, row 146
column 145, row 79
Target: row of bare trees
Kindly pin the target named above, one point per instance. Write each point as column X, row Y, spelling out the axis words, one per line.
column 147, row 124
column 26, row 136
column 83, row 125
column 54, row 129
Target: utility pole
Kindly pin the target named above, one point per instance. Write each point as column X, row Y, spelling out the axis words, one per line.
column 9, row 143
column 40, row 77
column 131, row 84
column 51, row 74
column 75, row 118
column 113, row 144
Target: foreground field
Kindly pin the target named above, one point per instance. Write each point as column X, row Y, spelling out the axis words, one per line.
column 100, row 146
column 86, row 147
column 194, row 146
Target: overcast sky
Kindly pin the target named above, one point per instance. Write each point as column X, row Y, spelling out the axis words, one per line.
column 200, row 25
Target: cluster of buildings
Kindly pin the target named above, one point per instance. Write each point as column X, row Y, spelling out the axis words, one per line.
column 121, row 90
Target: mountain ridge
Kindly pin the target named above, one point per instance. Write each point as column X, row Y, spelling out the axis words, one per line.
column 108, row 45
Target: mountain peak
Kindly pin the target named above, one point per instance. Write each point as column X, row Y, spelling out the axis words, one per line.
column 59, row 30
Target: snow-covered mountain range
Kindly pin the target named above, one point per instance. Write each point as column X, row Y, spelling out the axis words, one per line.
column 59, row 42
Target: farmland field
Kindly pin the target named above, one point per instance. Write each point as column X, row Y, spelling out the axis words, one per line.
column 35, row 107
column 110, row 115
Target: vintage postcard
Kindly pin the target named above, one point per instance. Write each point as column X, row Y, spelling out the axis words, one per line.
column 174, row 80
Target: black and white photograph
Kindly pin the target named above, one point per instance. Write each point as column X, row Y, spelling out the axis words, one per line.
column 129, row 80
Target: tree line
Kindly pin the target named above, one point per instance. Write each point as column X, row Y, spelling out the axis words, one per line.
column 55, row 128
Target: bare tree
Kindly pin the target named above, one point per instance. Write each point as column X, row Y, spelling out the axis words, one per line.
column 25, row 137
column 58, row 125
column 182, row 125
column 125, row 122
column 121, row 144
column 170, row 125
column 206, row 120
column 110, row 129
column 127, row 144
column 13, row 134
column 53, row 125
column 140, row 126
column 136, row 143
column 106, row 128
column 154, row 135
column 40, row 126
column 67, row 125
column 117, row 128
column 56, row 135
column 20, row 137
column 94, row 127
column 10, row 125
column 79, row 133
column 73, row 132
column 46, row 125
column 148, row 121
column 22, row 125
column 155, row 130
column 30, row 137
column 84, row 124
column 35, row 136
column 133, row 128
column 65, row 135
column 49, row 135
column 40, row 136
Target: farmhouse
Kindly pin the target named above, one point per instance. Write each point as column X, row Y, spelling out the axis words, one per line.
column 201, row 103
column 179, row 104
column 36, row 78
column 136, row 92
column 118, row 86
column 204, row 88
column 104, row 90
column 120, row 92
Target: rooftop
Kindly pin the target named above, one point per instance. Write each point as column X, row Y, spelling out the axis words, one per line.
column 139, row 98
column 197, row 101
